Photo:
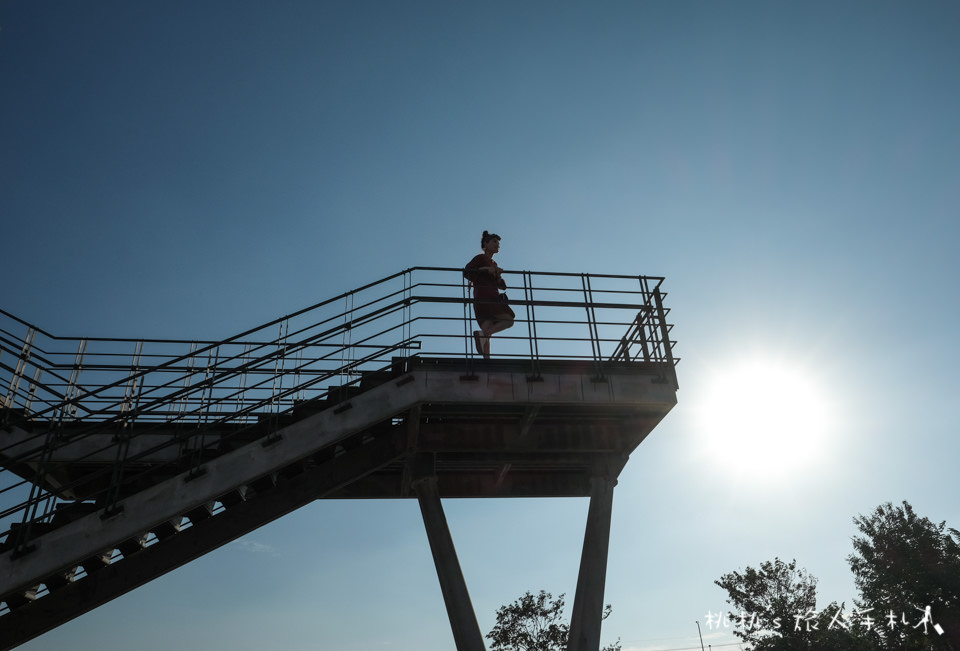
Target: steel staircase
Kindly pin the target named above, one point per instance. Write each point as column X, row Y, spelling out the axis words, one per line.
column 124, row 459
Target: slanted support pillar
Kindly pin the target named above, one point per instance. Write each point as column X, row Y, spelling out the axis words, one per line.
column 463, row 621
column 588, row 602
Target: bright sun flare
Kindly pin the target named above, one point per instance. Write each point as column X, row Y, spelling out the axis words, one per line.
column 765, row 418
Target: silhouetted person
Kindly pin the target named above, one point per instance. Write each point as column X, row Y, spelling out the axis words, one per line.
column 493, row 313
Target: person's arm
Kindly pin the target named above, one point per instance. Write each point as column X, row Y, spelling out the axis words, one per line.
column 473, row 268
column 479, row 266
column 497, row 274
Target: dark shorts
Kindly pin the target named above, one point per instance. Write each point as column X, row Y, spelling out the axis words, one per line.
column 488, row 306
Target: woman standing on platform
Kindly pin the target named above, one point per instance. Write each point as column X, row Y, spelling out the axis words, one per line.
column 493, row 313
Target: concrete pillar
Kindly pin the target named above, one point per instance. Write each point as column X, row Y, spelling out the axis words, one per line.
column 463, row 621
column 588, row 602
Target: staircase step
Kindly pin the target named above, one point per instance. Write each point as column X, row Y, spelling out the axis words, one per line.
column 304, row 408
column 133, row 545
column 60, row 579
column 14, row 417
column 234, row 497
column 265, row 483
column 36, row 529
column 167, row 529
column 70, row 511
column 371, row 379
column 267, row 423
column 201, row 513
column 340, row 394
column 324, row 456
column 292, row 470
column 97, row 562
column 20, row 599
column 353, row 442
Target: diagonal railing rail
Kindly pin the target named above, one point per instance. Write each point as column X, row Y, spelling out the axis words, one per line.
column 58, row 391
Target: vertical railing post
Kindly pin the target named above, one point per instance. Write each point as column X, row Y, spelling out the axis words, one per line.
column 592, row 325
column 280, row 366
column 472, row 353
column 346, row 341
column 195, row 439
column 32, row 390
column 407, row 313
column 209, row 382
column 297, row 395
column 242, row 386
column 21, row 367
column 644, row 317
column 122, row 437
column 666, row 356
column 468, row 345
column 204, row 387
column 133, row 382
column 531, row 326
column 187, row 378
column 67, row 406
column 642, row 325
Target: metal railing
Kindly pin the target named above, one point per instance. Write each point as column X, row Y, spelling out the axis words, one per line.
column 63, row 389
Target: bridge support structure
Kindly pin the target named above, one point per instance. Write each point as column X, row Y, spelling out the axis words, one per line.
column 587, row 617
column 463, row 619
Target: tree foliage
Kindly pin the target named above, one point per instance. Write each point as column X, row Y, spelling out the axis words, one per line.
column 777, row 611
column 534, row 623
column 775, row 606
column 901, row 564
column 906, row 569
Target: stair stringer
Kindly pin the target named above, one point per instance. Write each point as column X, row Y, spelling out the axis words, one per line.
column 79, row 597
column 69, row 545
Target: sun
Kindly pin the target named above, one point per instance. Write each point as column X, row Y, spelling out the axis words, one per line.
column 764, row 417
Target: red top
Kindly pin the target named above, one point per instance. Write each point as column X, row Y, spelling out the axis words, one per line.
column 486, row 289
column 481, row 280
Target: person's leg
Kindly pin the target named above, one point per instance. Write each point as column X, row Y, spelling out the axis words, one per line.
column 492, row 327
column 486, row 329
column 478, row 341
column 502, row 323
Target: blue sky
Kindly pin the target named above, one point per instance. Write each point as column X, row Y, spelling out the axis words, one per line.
column 191, row 170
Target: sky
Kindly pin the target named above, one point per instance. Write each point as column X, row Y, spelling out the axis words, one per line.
column 194, row 169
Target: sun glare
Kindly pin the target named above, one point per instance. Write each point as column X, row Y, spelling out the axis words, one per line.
column 764, row 418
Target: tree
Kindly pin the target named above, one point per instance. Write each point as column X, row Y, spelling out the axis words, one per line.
column 901, row 565
column 906, row 569
column 777, row 610
column 534, row 623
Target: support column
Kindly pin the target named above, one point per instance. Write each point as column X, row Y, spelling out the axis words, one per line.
column 587, row 614
column 463, row 621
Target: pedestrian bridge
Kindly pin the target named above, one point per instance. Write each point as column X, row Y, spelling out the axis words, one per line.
column 122, row 459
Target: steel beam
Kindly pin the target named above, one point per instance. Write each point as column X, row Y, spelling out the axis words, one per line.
column 587, row 614
column 463, row 621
